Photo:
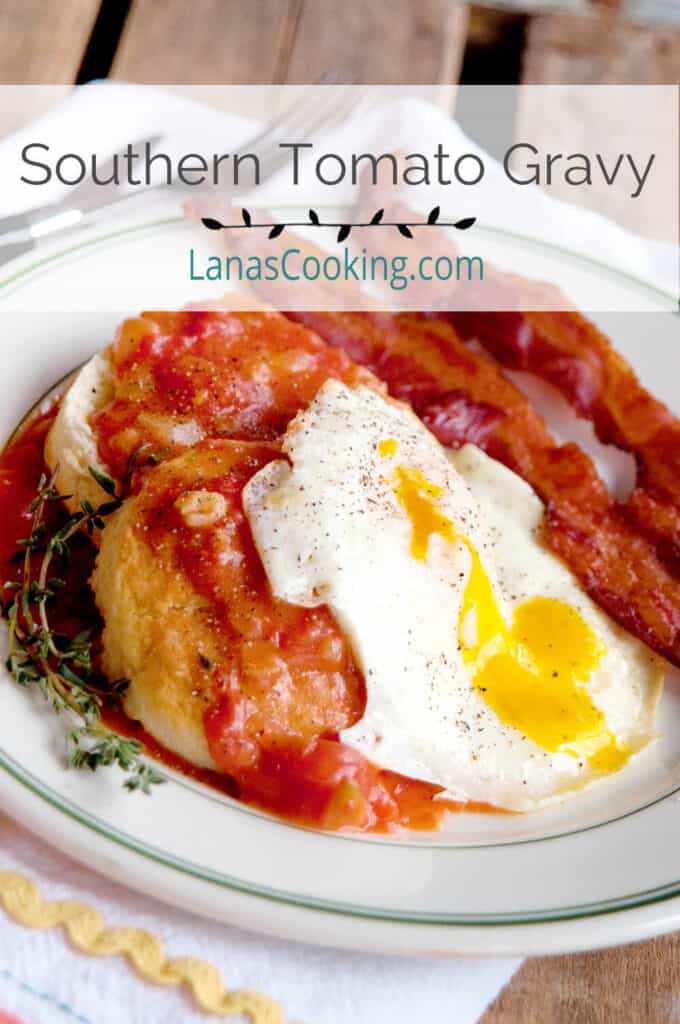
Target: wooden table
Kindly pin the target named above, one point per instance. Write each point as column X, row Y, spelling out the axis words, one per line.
column 220, row 41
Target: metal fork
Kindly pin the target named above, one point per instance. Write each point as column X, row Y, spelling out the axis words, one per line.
column 19, row 233
column 300, row 121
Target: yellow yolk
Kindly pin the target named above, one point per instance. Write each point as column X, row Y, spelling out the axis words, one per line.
column 532, row 673
column 418, row 499
column 387, row 447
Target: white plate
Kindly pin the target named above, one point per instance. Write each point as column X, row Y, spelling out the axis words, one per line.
column 602, row 869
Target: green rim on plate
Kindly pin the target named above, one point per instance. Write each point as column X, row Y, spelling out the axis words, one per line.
column 597, row 908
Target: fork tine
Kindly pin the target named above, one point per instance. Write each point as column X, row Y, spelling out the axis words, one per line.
column 327, row 115
column 337, row 107
column 284, row 125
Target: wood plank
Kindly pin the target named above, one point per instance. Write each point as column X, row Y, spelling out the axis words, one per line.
column 384, row 41
column 214, row 43
column 631, row 983
column 44, row 42
column 600, row 48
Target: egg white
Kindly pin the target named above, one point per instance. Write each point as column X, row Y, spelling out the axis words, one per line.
column 330, row 529
column 71, row 446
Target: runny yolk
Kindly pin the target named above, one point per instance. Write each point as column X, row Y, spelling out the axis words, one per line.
column 418, row 499
column 532, row 673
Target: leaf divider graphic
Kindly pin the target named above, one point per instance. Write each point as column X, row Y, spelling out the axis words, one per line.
column 344, row 228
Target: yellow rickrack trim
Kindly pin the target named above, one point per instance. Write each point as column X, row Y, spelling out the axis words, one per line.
column 86, row 929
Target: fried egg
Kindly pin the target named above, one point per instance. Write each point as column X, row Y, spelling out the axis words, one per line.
column 488, row 671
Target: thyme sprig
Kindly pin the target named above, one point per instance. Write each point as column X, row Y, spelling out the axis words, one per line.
column 60, row 666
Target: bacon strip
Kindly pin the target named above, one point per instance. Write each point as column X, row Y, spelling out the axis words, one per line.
column 456, row 391
column 570, row 353
column 464, row 396
column 567, row 350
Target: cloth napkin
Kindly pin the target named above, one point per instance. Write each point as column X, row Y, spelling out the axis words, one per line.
column 42, row 979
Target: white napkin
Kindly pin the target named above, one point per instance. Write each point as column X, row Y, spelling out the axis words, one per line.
column 41, row 978
column 39, row 971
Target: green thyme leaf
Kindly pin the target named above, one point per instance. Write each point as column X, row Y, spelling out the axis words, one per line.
column 104, row 481
column 60, row 666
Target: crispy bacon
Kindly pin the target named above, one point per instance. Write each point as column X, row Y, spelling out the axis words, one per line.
column 455, row 419
column 567, row 350
column 424, row 360
column 570, row 353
